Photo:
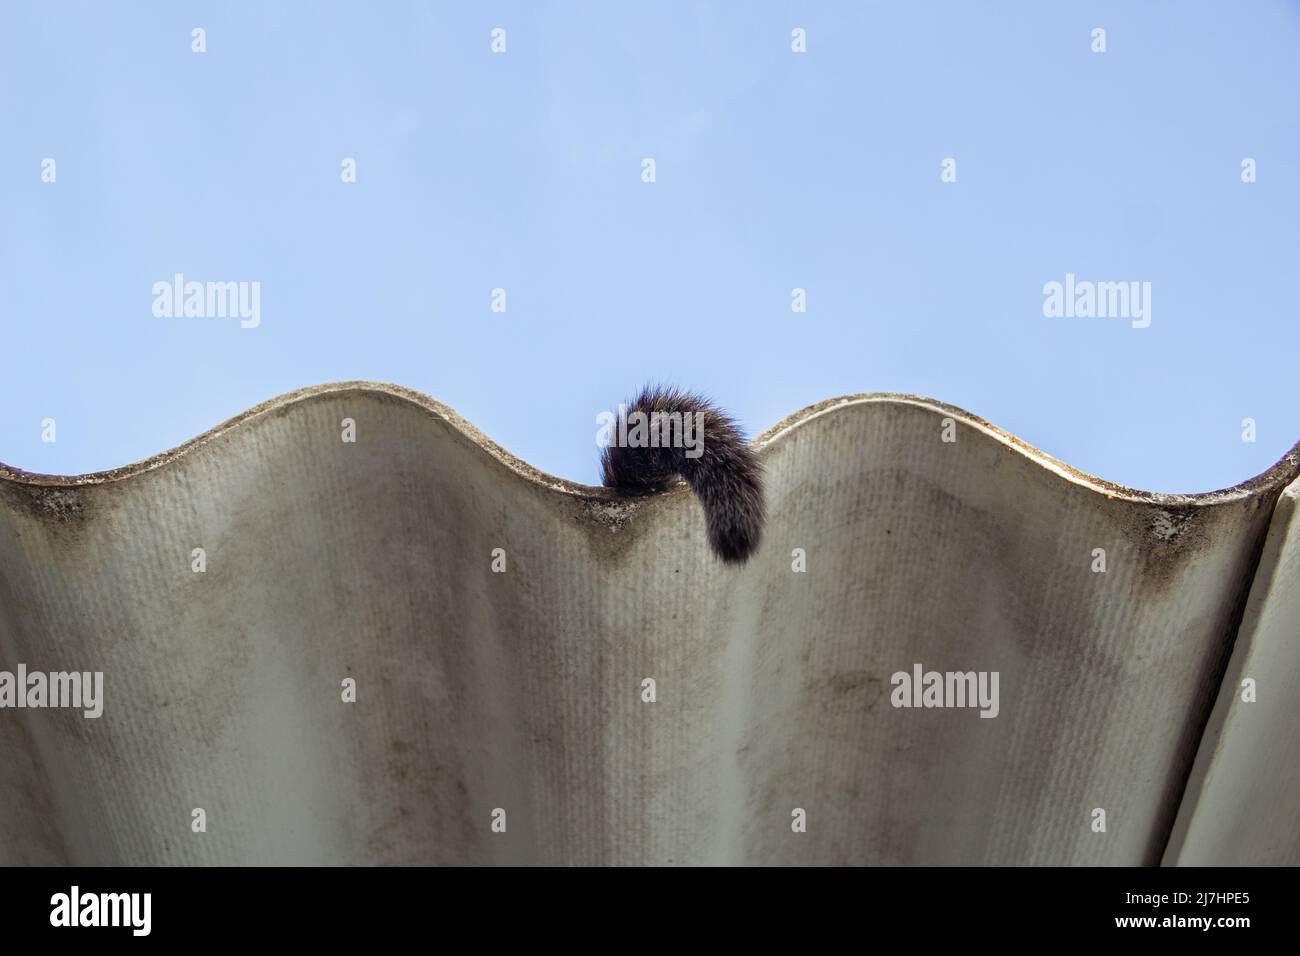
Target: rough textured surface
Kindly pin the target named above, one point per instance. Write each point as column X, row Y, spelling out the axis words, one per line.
column 1243, row 801
column 523, row 690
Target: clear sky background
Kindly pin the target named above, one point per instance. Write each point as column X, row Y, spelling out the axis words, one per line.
column 775, row 170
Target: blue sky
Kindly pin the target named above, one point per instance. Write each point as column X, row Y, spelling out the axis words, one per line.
column 774, row 170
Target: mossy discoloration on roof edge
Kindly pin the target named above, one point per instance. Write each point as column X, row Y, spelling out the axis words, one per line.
column 1273, row 480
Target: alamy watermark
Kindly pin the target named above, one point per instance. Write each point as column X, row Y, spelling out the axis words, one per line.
column 208, row 300
column 922, row 688
column 641, row 429
column 75, row 908
column 84, row 690
column 1098, row 300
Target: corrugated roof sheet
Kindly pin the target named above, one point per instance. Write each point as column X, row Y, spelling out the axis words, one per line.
column 523, row 691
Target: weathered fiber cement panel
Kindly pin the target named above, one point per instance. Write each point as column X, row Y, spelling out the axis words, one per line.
column 522, row 690
column 1242, row 805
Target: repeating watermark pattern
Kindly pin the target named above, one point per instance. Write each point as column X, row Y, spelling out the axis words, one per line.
column 917, row 688
column 640, row 429
column 176, row 298
column 1083, row 299
column 922, row 688
column 75, row 908
column 82, row 690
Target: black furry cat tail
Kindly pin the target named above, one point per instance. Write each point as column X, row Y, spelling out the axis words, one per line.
column 666, row 433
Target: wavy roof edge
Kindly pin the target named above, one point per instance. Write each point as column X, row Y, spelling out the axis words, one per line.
column 1273, row 479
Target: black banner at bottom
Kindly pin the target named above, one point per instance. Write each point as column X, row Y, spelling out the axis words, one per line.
column 111, row 905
